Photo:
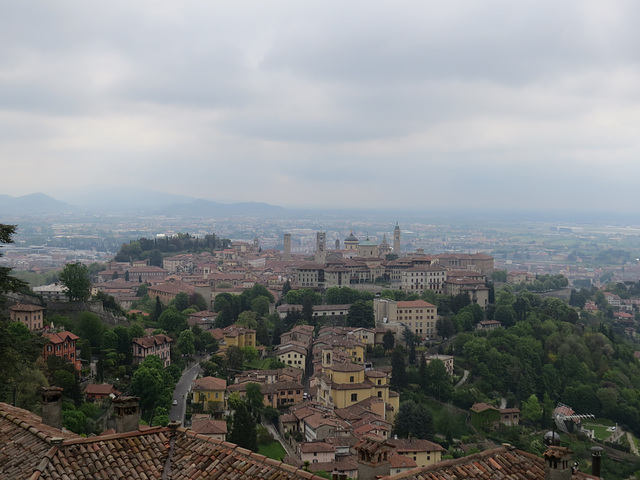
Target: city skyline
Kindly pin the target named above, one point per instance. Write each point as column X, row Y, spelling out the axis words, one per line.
column 496, row 105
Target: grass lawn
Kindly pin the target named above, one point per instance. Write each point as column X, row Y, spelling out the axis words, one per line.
column 258, row 364
column 272, row 450
column 599, row 427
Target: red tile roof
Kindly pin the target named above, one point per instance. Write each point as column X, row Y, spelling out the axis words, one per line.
column 504, row 462
column 209, row 383
column 60, row 337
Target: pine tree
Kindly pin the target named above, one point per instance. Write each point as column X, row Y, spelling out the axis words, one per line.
column 243, row 428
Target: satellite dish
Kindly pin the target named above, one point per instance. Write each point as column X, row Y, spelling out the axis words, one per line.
column 551, row 438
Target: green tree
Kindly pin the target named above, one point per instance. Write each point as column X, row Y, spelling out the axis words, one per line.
column 172, row 320
column 90, row 327
column 361, row 315
column 414, row 420
column 75, row 277
column 8, row 283
column 255, row 399
column 398, row 369
column 260, row 305
column 148, row 383
column 242, row 426
column 186, row 342
column 445, row 327
column 531, row 409
column 181, row 301
column 248, row 319
column 388, row 340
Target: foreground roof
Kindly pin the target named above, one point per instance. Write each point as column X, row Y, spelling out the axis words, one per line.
column 504, row 462
column 32, row 450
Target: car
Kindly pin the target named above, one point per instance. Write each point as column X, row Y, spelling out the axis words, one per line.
column 175, row 402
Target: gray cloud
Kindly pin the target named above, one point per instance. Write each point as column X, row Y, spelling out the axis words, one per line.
column 396, row 104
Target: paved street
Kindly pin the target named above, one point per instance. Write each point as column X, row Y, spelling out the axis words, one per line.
column 181, row 391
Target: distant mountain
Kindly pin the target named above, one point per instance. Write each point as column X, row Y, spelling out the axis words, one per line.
column 127, row 201
column 33, row 204
column 118, row 199
column 206, row 208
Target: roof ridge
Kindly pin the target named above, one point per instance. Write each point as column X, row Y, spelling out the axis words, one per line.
column 270, row 461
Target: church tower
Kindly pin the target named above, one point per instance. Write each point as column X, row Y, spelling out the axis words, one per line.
column 287, row 247
column 321, row 253
column 396, row 240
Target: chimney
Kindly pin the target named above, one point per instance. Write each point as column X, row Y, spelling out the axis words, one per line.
column 127, row 413
column 596, row 460
column 51, row 401
column 557, row 463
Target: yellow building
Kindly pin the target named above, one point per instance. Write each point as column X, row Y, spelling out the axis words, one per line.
column 237, row 336
column 293, row 355
column 344, row 384
column 210, row 392
column 423, row 452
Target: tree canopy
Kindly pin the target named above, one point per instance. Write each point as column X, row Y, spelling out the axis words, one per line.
column 75, row 277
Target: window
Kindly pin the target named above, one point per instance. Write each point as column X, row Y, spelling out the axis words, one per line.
column 351, row 379
column 380, row 394
column 354, row 397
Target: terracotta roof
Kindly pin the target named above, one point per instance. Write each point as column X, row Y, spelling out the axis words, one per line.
column 400, row 461
column 23, row 307
column 318, row 447
column 415, row 304
column 347, row 367
column 349, row 464
column 150, row 341
column 30, row 450
column 209, row 383
column 207, row 426
column 504, row 462
column 60, row 337
column 103, row 389
column 414, row 445
column 25, row 441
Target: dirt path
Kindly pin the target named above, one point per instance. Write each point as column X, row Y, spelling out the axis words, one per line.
column 632, row 445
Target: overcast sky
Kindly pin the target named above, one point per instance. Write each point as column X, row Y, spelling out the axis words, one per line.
column 525, row 104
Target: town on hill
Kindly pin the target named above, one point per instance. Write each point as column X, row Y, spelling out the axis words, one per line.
column 355, row 358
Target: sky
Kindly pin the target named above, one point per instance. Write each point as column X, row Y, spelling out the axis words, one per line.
column 398, row 105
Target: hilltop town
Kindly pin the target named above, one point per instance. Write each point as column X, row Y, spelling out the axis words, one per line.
column 358, row 359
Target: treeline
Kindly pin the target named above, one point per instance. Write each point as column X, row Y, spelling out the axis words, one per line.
column 551, row 352
column 154, row 249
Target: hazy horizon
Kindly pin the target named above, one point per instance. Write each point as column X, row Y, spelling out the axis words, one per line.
column 496, row 106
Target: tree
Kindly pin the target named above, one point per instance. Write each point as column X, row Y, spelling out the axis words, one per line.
column 181, row 301
column 361, row 315
column 260, row 305
column 414, row 420
column 388, row 340
column 242, row 426
column 75, row 277
column 90, row 327
column 398, row 369
column 445, row 327
column 186, row 342
column 172, row 320
column 531, row 409
column 8, row 283
column 255, row 399
column 248, row 319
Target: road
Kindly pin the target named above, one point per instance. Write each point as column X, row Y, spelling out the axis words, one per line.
column 463, row 379
column 180, row 393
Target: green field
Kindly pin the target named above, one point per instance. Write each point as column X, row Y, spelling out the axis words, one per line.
column 599, row 427
column 272, row 450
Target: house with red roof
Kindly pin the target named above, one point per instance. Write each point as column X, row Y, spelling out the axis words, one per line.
column 159, row 345
column 63, row 345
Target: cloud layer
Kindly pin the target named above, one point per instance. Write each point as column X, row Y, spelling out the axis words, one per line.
column 423, row 104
